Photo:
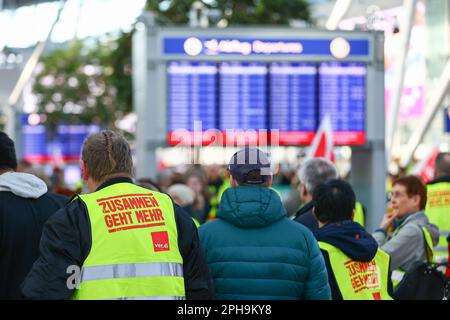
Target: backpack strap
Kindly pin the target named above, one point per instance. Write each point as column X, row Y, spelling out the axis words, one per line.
column 428, row 245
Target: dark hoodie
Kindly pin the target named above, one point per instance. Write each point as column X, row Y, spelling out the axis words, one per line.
column 353, row 240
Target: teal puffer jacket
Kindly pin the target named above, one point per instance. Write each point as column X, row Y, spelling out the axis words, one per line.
column 255, row 252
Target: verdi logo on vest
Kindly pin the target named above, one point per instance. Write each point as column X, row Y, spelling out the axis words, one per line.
column 160, row 241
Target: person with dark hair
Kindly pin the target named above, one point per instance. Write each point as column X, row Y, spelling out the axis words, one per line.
column 253, row 250
column 148, row 183
column 201, row 205
column 357, row 269
column 413, row 236
column 25, row 205
column 120, row 241
column 438, row 204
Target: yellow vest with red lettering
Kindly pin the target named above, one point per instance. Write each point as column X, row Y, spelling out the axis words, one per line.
column 359, row 280
column 438, row 211
column 134, row 252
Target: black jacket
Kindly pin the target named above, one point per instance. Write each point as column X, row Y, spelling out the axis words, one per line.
column 66, row 241
column 353, row 240
column 306, row 217
column 21, row 223
column 439, row 180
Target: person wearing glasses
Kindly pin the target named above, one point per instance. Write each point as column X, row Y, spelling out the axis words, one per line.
column 413, row 236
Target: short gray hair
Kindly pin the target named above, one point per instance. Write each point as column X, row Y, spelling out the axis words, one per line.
column 316, row 171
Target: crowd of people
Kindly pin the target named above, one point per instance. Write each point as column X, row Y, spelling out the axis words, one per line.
column 210, row 232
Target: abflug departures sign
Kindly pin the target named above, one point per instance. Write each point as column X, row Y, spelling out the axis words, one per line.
column 281, row 84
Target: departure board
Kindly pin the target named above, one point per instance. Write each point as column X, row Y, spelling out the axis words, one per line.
column 34, row 143
column 191, row 95
column 40, row 146
column 293, row 101
column 243, row 95
column 289, row 97
column 342, row 95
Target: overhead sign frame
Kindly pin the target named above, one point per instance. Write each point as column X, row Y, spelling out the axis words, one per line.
column 154, row 47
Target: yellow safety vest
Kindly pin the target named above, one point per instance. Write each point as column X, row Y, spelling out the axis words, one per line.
column 359, row 280
column 359, row 213
column 215, row 198
column 398, row 274
column 438, row 211
column 134, row 253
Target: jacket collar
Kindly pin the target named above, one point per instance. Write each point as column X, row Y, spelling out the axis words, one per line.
column 305, row 208
column 440, row 179
column 112, row 181
column 402, row 221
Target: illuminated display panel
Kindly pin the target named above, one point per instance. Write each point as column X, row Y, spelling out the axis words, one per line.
column 191, row 96
column 242, row 95
column 342, row 95
column 243, row 100
column 34, row 143
column 293, row 101
column 39, row 146
column 289, row 97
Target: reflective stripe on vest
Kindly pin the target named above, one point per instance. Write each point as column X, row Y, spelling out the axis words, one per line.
column 438, row 211
column 359, row 280
column 134, row 252
column 131, row 270
column 359, row 213
column 398, row 274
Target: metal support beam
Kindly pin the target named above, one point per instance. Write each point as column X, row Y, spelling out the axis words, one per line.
column 148, row 96
column 432, row 108
column 339, row 11
column 405, row 29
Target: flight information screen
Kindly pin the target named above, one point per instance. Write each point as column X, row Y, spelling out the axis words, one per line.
column 291, row 98
column 342, row 95
column 192, row 97
column 243, row 94
column 40, row 146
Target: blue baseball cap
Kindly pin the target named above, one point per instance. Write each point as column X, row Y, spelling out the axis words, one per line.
column 248, row 160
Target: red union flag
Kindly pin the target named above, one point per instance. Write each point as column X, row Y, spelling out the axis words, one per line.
column 425, row 167
column 322, row 145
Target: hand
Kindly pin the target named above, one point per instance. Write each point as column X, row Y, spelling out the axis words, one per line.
column 388, row 220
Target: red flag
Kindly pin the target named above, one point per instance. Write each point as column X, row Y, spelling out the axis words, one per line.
column 322, row 145
column 425, row 167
